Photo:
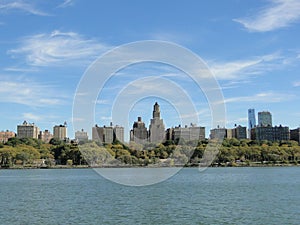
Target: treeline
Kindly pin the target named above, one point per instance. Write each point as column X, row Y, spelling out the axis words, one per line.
column 28, row 152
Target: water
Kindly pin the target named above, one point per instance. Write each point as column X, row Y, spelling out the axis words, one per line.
column 216, row 196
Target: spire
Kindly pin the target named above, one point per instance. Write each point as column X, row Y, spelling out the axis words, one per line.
column 156, row 111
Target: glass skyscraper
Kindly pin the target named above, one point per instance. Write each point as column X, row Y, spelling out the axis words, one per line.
column 264, row 119
column 251, row 118
column 251, row 121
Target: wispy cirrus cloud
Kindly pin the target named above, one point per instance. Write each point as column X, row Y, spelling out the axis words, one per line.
column 30, row 8
column 58, row 49
column 24, row 92
column 296, row 84
column 262, row 97
column 19, row 69
column 278, row 14
column 66, row 3
column 31, row 116
column 240, row 69
column 37, row 116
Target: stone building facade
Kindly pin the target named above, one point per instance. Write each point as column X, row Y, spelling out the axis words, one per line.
column 27, row 130
column 5, row 135
column 139, row 132
column 157, row 127
column 60, row 131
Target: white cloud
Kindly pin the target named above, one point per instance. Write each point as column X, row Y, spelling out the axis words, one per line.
column 16, row 69
column 263, row 97
column 200, row 113
column 77, row 119
column 28, row 93
column 31, row 116
column 58, row 49
column 106, row 118
column 103, row 101
column 239, row 69
column 21, row 6
column 231, row 70
column 66, row 3
column 279, row 14
column 38, row 117
column 296, row 84
column 234, row 84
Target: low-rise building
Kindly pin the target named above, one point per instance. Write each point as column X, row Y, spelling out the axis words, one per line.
column 219, row 133
column 119, row 133
column 45, row 136
column 269, row 133
column 186, row 133
column 239, row 132
column 81, row 135
column 5, row 135
column 295, row 134
column 108, row 134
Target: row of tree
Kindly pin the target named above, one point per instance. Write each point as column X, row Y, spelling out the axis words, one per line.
column 34, row 153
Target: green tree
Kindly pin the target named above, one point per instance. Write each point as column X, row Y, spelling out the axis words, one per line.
column 56, row 141
column 96, row 155
column 7, row 156
column 27, row 153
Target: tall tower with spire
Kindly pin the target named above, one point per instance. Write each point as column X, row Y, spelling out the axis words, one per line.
column 157, row 127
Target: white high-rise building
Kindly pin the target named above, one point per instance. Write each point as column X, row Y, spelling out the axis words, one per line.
column 157, row 127
column 60, row 131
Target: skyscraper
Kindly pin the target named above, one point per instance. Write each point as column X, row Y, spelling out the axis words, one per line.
column 157, row 127
column 251, row 118
column 251, row 121
column 139, row 133
column 264, row 119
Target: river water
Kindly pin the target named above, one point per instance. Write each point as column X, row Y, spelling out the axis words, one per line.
column 214, row 196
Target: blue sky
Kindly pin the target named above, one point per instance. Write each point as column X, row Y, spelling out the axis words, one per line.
column 252, row 47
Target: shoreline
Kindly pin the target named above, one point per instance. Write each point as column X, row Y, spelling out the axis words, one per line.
column 253, row 165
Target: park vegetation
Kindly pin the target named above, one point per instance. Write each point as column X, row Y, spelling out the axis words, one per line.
column 33, row 153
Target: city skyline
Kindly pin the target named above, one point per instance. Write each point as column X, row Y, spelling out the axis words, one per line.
column 46, row 47
column 157, row 131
